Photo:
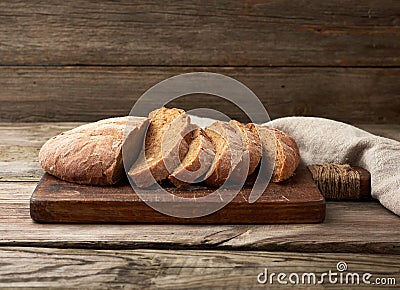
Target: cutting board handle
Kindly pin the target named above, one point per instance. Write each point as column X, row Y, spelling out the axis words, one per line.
column 331, row 182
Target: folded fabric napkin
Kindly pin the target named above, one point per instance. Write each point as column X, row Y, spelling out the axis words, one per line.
column 327, row 141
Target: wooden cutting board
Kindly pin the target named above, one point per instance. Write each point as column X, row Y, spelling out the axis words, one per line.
column 296, row 200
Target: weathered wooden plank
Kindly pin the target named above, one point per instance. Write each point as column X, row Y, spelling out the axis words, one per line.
column 160, row 269
column 355, row 95
column 20, row 144
column 228, row 32
column 297, row 201
column 391, row 131
column 20, row 170
column 31, row 135
column 348, row 227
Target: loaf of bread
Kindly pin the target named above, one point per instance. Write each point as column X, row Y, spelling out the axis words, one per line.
column 174, row 149
column 287, row 155
column 92, row 153
column 229, row 152
column 165, row 146
column 252, row 144
column 197, row 161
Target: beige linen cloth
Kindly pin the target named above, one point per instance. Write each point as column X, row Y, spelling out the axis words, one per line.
column 327, row 141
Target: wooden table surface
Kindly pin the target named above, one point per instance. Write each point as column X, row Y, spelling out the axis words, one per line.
column 363, row 234
column 87, row 60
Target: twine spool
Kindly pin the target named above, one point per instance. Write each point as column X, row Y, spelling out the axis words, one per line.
column 336, row 181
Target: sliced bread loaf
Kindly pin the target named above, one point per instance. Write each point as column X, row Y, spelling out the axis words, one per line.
column 92, row 153
column 229, row 152
column 287, row 155
column 165, row 146
column 252, row 145
column 197, row 161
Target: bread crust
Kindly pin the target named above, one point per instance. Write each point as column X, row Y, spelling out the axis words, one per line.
column 92, row 153
column 287, row 155
column 252, row 144
column 145, row 173
column 228, row 156
column 194, row 167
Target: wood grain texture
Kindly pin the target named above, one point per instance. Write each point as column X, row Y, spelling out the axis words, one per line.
column 365, row 183
column 348, row 227
column 20, row 145
column 158, row 269
column 238, row 33
column 355, row 95
column 128, row 47
column 296, row 200
column 391, row 131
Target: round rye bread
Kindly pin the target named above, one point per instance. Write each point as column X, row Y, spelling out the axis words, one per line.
column 252, row 143
column 229, row 151
column 92, row 153
column 287, row 155
column 165, row 146
column 197, row 161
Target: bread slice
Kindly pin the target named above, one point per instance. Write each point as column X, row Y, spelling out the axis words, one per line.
column 197, row 161
column 229, row 152
column 92, row 154
column 165, row 146
column 287, row 155
column 252, row 144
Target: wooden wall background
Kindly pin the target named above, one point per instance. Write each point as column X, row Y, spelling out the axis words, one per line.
column 86, row 60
